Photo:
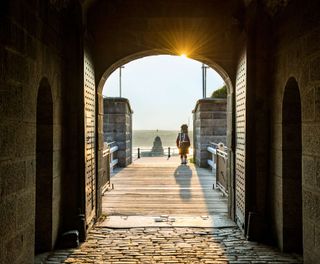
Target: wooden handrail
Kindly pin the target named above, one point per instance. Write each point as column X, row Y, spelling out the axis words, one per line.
column 218, row 158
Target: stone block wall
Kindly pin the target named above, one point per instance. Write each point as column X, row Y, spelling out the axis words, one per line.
column 41, row 40
column 209, row 125
column 31, row 49
column 298, row 56
column 117, row 122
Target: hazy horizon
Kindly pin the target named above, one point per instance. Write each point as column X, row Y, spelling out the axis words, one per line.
column 159, row 129
column 162, row 90
column 144, row 138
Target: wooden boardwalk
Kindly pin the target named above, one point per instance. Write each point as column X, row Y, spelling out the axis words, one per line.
column 157, row 186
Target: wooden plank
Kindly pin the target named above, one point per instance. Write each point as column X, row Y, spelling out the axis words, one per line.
column 154, row 187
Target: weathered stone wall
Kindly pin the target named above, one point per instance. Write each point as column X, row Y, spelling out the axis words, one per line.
column 209, row 125
column 39, row 40
column 31, row 48
column 297, row 55
column 24, row 61
column 117, row 122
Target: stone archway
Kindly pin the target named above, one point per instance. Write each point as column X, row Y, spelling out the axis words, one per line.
column 213, row 65
column 292, row 168
column 207, row 32
column 44, row 168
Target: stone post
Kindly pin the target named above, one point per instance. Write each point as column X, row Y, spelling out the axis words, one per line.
column 117, row 126
column 209, row 125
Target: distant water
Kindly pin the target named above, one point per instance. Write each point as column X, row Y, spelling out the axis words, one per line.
column 145, row 138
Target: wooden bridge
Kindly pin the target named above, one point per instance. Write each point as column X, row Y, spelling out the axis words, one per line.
column 161, row 186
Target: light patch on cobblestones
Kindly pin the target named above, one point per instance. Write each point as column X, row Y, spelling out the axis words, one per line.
column 170, row 245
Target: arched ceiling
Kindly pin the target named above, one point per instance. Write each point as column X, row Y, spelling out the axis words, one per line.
column 206, row 30
column 273, row 6
column 211, row 31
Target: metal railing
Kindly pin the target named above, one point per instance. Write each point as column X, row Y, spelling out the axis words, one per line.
column 218, row 163
column 112, row 148
column 147, row 152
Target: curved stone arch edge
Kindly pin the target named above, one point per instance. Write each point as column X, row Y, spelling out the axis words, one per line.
column 216, row 67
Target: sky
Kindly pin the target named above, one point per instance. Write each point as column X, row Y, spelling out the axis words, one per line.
column 162, row 90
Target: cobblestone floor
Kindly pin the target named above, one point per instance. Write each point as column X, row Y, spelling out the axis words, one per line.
column 170, row 245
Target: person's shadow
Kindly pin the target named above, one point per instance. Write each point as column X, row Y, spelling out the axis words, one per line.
column 183, row 176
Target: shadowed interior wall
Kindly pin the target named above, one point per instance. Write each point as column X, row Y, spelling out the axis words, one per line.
column 31, row 47
column 44, row 38
column 296, row 53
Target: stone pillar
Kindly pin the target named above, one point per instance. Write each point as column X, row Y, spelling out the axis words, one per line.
column 209, row 125
column 117, row 126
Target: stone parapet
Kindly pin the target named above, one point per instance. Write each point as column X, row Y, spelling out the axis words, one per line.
column 117, row 126
column 209, row 125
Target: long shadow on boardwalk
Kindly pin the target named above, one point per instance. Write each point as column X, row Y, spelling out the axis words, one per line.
column 154, row 186
column 183, row 175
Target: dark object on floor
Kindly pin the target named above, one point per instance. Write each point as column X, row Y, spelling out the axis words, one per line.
column 69, row 239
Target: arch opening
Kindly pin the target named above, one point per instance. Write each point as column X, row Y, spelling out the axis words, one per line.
column 220, row 71
column 44, row 168
column 216, row 67
column 292, row 168
column 166, row 83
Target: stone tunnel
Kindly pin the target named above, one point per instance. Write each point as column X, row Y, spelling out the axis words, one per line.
column 55, row 58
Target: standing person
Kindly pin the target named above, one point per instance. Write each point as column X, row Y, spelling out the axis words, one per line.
column 183, row 143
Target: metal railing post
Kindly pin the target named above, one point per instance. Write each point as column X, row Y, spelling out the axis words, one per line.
column 138, row 153
column 169, row 154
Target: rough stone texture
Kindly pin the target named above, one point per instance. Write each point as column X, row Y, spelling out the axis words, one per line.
column 31, row 38
column 117, row 122
column 170, row 245
column 46, row 39
column 209, row 125
column 297, row 56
